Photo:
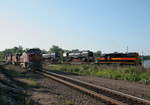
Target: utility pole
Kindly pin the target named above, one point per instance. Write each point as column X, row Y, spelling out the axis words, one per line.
column 142, row 59
column 127, row 49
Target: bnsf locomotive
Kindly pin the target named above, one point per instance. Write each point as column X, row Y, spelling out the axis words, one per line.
column 82, row 56
column 119, row 58
column 51, row 58
column 31, row 58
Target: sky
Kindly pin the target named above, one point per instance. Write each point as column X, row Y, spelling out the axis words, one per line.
column 96, row 25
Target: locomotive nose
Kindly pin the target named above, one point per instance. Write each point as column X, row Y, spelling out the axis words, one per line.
column 35, row 57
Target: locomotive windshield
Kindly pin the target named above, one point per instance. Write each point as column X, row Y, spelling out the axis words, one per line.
column 34, row 51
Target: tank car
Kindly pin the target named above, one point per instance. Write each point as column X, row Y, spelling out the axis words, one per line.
column 82, row 56
column 51, row 58
column 119, row 58
column 31, row 58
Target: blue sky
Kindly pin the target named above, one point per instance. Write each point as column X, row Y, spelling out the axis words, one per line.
column 105, row 25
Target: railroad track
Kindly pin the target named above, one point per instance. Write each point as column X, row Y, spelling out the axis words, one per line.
column 105, row 94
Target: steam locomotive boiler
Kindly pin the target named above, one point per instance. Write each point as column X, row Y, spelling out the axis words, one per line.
column 82, row 56
column 51, row 58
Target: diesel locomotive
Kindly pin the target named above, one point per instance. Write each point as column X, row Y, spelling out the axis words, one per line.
column 119, row 58
column 81, row 56
column 31, row 58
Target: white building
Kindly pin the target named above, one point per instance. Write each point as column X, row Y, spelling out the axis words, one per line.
column 147, row 64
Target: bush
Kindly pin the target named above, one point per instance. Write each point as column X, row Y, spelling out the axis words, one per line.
column 121, row 73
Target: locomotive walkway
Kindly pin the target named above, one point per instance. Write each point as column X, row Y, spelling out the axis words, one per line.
column 108, row 95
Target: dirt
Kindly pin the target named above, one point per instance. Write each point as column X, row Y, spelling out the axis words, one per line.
column 45, row 91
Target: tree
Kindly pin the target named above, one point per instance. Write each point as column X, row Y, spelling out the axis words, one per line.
column 44, row 51
column 97, row 55
column 74, row 50
column 10, row 51
column 55, row 49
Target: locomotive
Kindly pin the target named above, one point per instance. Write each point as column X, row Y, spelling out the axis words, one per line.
column 51, row 58
column 81, row 56
column 16, row 58
column 31, row 58
column 119, row 58
column 8, row 58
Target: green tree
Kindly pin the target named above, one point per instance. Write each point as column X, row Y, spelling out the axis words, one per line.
column 97, row 55
column 74, row 50
column 55, row 49
column 44, row 51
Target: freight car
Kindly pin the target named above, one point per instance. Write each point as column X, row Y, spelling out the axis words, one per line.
column 119, row 58
column 81, row 56
column 51, row 58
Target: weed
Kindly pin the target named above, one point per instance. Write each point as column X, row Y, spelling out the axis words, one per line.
column 120, row 87
column 60, row 97
column 131, row 73
column 70, row 103
column 29, row 102
column 34, row 82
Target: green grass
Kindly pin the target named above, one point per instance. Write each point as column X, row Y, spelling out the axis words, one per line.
column 29, row 102
column 70, row 103
column 60, row 97
column 2, row 60
column 34, row 82
column 131, row 73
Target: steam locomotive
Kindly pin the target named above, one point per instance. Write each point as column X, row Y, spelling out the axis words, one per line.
column 51, row 58
column 31, row 58
column 81, row 56
column 119, row 58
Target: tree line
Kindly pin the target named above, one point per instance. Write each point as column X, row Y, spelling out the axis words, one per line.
column 53, row 49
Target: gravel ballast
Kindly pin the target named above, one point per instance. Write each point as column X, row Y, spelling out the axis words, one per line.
column 132, row 88
column 45, row 91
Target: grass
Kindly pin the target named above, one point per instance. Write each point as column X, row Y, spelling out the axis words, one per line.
column 2, row 60
column 60, row 97
column 29, row 102
column 130, row 73
column 34, row 82
column 69, row 103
